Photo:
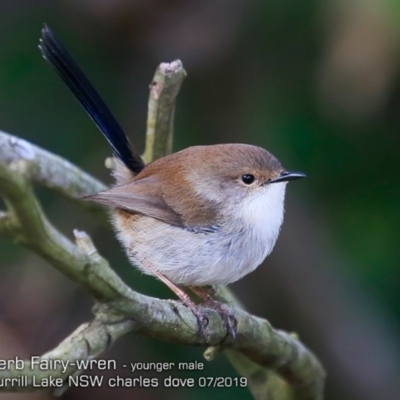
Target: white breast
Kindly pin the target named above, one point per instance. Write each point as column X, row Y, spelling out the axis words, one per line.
column 262, row 215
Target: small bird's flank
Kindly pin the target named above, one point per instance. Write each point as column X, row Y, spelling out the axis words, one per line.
column 207, row 215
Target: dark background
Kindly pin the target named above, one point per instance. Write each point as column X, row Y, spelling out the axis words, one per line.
column 315, row 82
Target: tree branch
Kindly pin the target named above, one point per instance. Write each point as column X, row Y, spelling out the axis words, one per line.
column 85, row 343
column 164, row 89
column 261, row 348
column 46, row 169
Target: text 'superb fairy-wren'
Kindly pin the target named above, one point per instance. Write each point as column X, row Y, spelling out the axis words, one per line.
column 206, row 215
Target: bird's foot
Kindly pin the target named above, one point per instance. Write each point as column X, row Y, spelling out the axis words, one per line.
column 202, row 320
column 227, row 317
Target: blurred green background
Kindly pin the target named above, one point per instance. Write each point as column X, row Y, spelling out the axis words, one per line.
column 315, row 82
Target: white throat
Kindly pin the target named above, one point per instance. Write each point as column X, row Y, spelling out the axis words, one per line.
column 263, row 215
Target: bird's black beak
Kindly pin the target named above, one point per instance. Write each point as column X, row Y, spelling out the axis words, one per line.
column 285, row 176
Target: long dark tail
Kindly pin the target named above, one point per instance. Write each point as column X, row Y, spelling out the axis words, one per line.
column 71, row 74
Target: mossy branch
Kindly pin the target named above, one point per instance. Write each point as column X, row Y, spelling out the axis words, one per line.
column 259, row 352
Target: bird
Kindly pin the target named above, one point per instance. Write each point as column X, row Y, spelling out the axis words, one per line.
column 200, row 217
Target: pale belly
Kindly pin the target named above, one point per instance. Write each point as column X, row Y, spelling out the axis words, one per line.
column 189, row 258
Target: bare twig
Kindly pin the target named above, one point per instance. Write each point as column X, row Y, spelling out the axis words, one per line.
column 87, row 342
column 160, row 120
column 46, row 169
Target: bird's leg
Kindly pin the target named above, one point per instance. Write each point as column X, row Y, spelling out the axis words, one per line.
column 229, row 320
column 202, row 320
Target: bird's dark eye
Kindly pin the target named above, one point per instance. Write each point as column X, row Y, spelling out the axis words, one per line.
column 248, row 179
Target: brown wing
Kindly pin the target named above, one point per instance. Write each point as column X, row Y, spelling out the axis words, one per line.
column 143, row 196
